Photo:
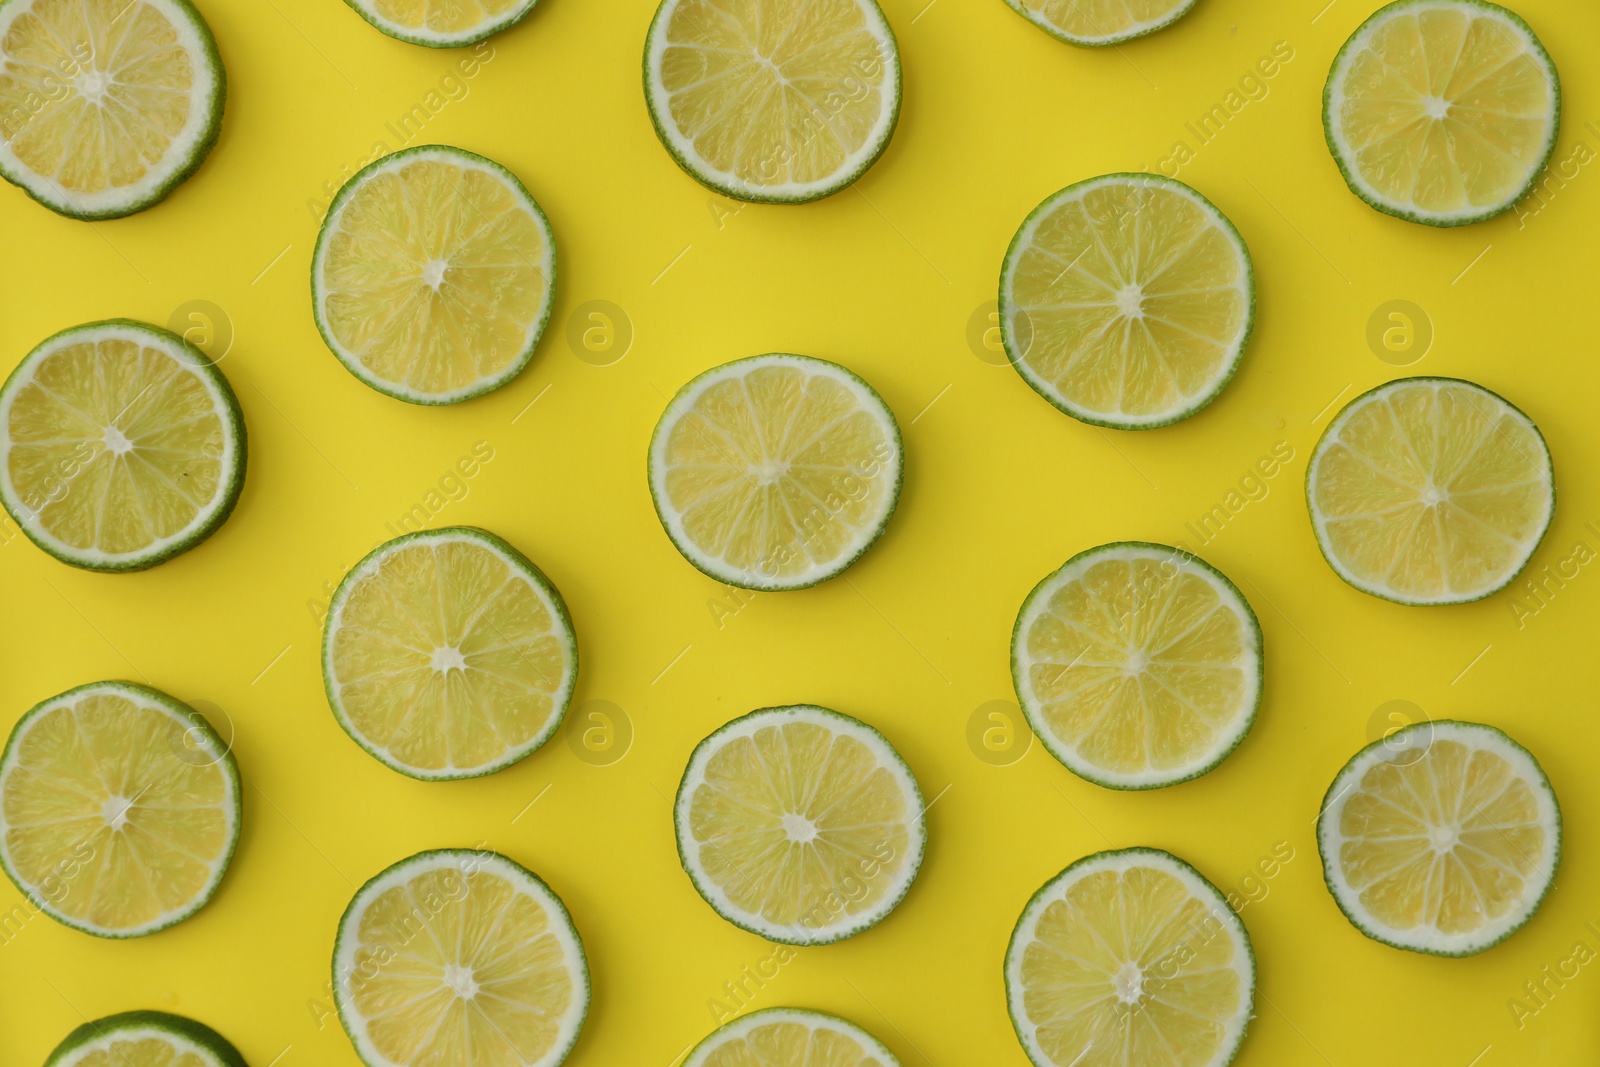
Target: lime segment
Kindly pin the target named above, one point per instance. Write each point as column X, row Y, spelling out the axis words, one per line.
column 144, row 1039
column 790, row 1037
column 442, row 23
column 1101, row 22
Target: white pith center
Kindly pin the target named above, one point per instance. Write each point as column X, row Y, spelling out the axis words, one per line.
column 1130, row 301
column 433, row 273
column 799, row 828
column 116, row 441
column 1436, row 107
column 1137, row 661
column 1129, row 983
column 115, row 811
column 447, row 659
column 1444, row 838
column 92, row 84
column 1432, row 495
column 461, row 981
column 769, row 471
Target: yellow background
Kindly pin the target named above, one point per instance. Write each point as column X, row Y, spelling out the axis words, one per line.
column 1000, row 489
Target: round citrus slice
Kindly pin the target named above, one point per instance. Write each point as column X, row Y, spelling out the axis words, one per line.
column 433, row 275
column 781, row 101
column 1138, row 665
column 1130, row 957
column 800, row 824
column 442, row 23
column 1101, row 22
column 1442, row 111
column 119, row 809
column 121, row 446
column 106, row 106
column 790, row 1037
column 775, row 472
column 1441, row 838
column 447, row 654
column 144, row 1039
column 459, row 956
column 1127, row 300
column 1430, row 491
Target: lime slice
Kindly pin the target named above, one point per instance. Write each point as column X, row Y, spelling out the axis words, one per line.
column 459, row 956
column 1442, row 111
column 1430, row 491
column 790, row 1037
column 144, row 1039
column 780, row 101
column 433, row 275
column 1127, row 300
column 1441, row 838
column 800, row 824
column 447, row 654
column 442, row 23
column 1101, row 22
column 1138, row 665
column 119, row 809
column 775, row 472
column 121, row 446
column 106, row 106
column 1130, row 957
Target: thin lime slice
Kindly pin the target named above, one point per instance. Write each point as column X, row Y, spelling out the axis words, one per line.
column 1101, row 22
column 1130, row 957
column 448, row 654
column 433, row 275
column 1442, row 838
column 790, row 1037
column 781, row 101
column 442, row 23
column 119, row 809
column 1138, row 665
column 106, row 106
column 459, row 956
column 775, row 472
column 144, row 1039
column 1430, row 491
column 1127, row 301
column 800, row 824
column 121, row 446
column 1442, row 111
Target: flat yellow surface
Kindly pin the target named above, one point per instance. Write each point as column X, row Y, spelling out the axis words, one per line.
column 1000, row 489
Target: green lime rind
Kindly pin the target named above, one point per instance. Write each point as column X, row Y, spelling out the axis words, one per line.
column 58, row 200
column 460, row 157
column 466, row 860
column 1047, row 586
column 1185, row 872
column 660, row 118
column 517, row 562
column 1400, row 211
column 1327, row 439
column 193, row 723
column 1109, row 39
column 654, row 472
column 232, row 420
column 1428, row 731
column 185, row 1035
column 796, row 934
column 460, row 40
column 1008, row 309
column 813, row 1020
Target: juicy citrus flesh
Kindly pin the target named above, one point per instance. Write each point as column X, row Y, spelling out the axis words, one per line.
column 1431, row 492
column 115, row 446
column 792, row 1044
column 779, row 472
column 443, row 17
column 1446, row 109
column 1129, row 301
column 801, row 826
column 1131, row 967
column 112, row 814
column 776, row 92
column 1138, row 666
column 1108, row 20
column 1448, row 841
column 446, row 658
column 454, row 967
column 93, row 93
column 436, row 276
column 141, row 1051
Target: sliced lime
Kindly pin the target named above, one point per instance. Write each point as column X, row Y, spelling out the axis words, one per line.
column 144, row 1039
column 442, row 23
column 1101, row 22
column 790, row 1037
